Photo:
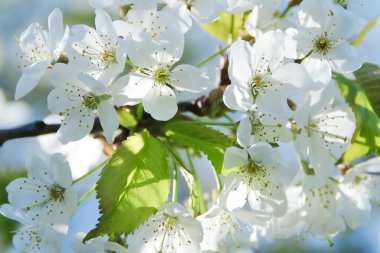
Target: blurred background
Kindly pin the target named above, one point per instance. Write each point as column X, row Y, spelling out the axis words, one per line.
column 15, row 17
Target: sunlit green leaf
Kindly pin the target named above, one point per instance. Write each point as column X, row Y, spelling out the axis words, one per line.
column 207, row 140
column 367, row 134
column 132, row 185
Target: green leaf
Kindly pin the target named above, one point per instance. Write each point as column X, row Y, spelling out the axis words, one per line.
column 221, row 28
column 366, row 138
column 207, row 140
column 198, row 203
column 132, row 185
column 368, row 77
column 126, row 118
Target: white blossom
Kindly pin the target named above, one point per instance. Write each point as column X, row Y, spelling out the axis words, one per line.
column 323, row 36
column 264, row 16
column 259, row 179
column 32, row 238
column 98, row 52
column 171, row 229
column 79, row 98
column 40, row 50
column 361, row 183
column 259, row 76
column 151, row 33
column 223, row 228
column 155, row 86
column 47, row 194
column 200, row 10
column 323, row 133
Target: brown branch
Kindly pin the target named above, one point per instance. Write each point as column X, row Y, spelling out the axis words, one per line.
column 210, row 105
column 35, row 129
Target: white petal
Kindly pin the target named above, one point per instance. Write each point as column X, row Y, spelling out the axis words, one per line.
column 59, row 101
column 95, row 86
column 76, row 125
column 103, row 23
column 108, row 119
column 160, row 102
column 61, row 170
column 268, row 51
column 319, row 71
column 244, row 133
column 240, row 62
column 204, row 10
column 62, row 74
column 71, row 200
column 280, row 108
column 344, row 58
column 24, row 192
column 236, row 98
column 235, row 157
column 55, row 22
column 294, row 74
column 137, row 88
column 234, row 193
column 15, row 214
column 188, row 78
column 30, row 78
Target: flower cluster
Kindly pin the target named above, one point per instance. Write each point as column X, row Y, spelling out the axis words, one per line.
column 293, row 125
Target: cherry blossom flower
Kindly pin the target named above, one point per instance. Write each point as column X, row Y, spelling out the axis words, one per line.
column 361, row 183
column 149, row 33
column 259, row 76
column 99, row 53
column 79, row 98
column 32, row 238
column 323, row 36
column 323, row 133
column 258, row 181
column 200, row 10
column 171, row 229
column 47, row 194
column 40, row 50
column 222, row 228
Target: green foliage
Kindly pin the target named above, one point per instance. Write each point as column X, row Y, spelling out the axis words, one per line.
column 126, row 118
column 225, row 27
column 366, row 138
column 198, row 203
column 132, row 185
column 368, row 78
column 207, row 140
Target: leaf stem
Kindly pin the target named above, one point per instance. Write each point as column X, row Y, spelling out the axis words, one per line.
column 212, row 56
column 90, row 172
column 85, row 196
column 175, row 184
column 229, row 118
column 202, row 206
column 232, row 28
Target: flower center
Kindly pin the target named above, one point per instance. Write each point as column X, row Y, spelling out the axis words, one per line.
column 256, row 83
column 108, row 56
column 161, row 76
column 91, row 101
column 322, row 44
column 57, row 193
column 253, row 168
